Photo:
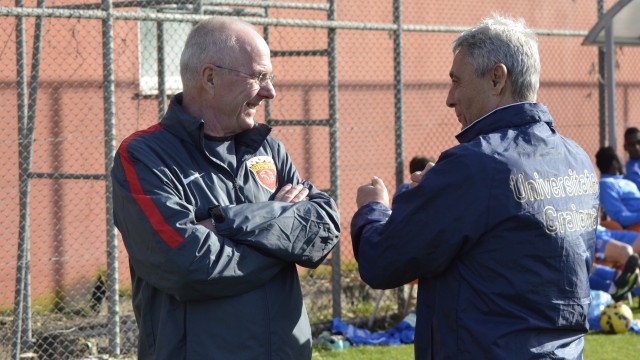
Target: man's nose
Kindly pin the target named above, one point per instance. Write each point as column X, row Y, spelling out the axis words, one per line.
column 449, row 101
column 267, row 90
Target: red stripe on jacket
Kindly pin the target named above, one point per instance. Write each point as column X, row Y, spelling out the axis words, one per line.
column 149, row 208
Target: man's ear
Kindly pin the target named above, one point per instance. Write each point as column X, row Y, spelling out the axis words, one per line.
column 207, row 76
column 498, row 78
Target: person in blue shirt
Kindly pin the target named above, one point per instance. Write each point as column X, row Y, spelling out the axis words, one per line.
column 619, row 197
column 500, row 231
column 632, row 147
column 615, row 246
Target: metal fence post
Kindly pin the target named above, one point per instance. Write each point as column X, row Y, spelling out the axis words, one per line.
column 109, row 142
column 602, row 106
column 336, row 271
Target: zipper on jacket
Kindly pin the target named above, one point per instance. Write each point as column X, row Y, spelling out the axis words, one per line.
column 236, row 188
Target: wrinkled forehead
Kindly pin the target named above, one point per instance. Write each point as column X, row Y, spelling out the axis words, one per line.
column 460, row 64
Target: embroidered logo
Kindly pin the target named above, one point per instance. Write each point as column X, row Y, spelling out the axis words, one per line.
column 264, row 169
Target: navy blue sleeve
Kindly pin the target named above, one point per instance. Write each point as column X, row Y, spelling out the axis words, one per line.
column 429, row 224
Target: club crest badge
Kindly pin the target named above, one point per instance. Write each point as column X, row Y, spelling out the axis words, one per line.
column 264, row 169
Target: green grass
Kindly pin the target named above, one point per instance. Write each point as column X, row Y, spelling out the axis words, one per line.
column 366, row 352
column 614, row 347
column 597, row 347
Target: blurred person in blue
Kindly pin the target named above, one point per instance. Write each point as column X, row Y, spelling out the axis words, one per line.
column 616, row 262
column 632, row 147
column 417, row 163
column 617, row 283
column 619, row 197
column 500, row 231
column 615, row 246
column 214, row 215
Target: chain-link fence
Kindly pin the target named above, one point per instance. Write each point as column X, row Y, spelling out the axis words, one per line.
column 356, row 97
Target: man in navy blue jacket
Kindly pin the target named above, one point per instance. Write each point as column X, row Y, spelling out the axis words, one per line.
column 500, row 231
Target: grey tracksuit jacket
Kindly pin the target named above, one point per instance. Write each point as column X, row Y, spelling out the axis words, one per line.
column 234, row 294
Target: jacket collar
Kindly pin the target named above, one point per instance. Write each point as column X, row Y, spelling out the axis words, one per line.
column 611, row 176
column 191, row 129
column 514, row 115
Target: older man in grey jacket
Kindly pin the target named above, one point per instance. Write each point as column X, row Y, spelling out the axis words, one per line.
column 214, row 214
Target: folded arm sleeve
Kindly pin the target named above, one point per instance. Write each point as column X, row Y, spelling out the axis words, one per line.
column 166, row 246
column 304, row 232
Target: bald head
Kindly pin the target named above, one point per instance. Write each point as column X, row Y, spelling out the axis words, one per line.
column 216, row 40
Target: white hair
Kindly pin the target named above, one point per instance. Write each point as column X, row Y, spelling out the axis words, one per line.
column 211, row 40
column 504, row 40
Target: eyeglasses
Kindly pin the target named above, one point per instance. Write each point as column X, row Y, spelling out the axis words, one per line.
column 261, row 78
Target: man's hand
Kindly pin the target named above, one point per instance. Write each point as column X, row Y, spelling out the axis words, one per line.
column 292, row 194
column 207, row 223
column 374, row 191
column 288, row 193
column 417, row 176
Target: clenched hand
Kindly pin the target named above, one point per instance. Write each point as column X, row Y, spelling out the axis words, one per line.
column 417, row 176
column 373, row 191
